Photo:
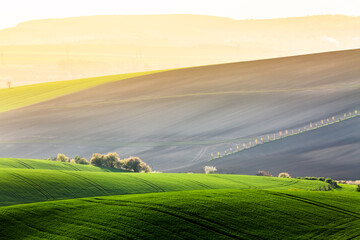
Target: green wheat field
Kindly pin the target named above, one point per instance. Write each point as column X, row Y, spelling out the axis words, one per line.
column 37, row 200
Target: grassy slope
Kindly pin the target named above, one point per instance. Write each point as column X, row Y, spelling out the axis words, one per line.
column 25, row 186
column 29, row 180
column 212, row 214
column 26, row 95
column 227, row 206
column 50, row 165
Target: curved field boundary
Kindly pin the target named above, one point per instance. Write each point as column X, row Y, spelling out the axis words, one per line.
column 236, row 181
column 149, row 183
column 23, row 96
column 85, row 179
column 199, row 94
column 316, row 203
column 263, row 139
column 197, row 220
column 33, row 185
column 19, row 186
column 25, row 164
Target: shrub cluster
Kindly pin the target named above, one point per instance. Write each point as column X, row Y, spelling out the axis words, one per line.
column 110, row 160
column 322, row 188
column 313, row 178
column 332, row 183
column 134, row 164
column 79, row 160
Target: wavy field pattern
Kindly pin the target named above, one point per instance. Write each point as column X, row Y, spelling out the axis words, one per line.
column 23, row 185
column 209, row 214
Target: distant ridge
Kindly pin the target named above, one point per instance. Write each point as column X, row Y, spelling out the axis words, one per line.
column 90, row 46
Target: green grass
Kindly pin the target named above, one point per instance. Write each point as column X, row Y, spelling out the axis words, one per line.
column 25, row 186
column 50, row 165
column 30, row 94
column 42, row 199
column 207, row 214
column 27, row 180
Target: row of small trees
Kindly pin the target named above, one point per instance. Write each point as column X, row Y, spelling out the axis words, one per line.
column 78, row 160
column 212, row 169
column 283, row 133
column 110, row 160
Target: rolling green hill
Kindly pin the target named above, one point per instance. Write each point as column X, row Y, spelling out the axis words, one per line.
column 30, row 94
column 37, row 201
column 208, row 214
column 30, row 180
column 25, row 186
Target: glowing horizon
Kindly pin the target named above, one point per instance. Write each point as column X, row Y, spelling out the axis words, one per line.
column 17, row 11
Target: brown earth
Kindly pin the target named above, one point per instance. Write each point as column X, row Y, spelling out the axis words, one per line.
column 174, row 120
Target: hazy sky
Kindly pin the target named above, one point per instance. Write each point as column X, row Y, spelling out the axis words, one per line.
column 13, row 12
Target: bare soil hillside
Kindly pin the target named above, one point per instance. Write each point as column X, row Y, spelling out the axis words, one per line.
column 176, row 119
